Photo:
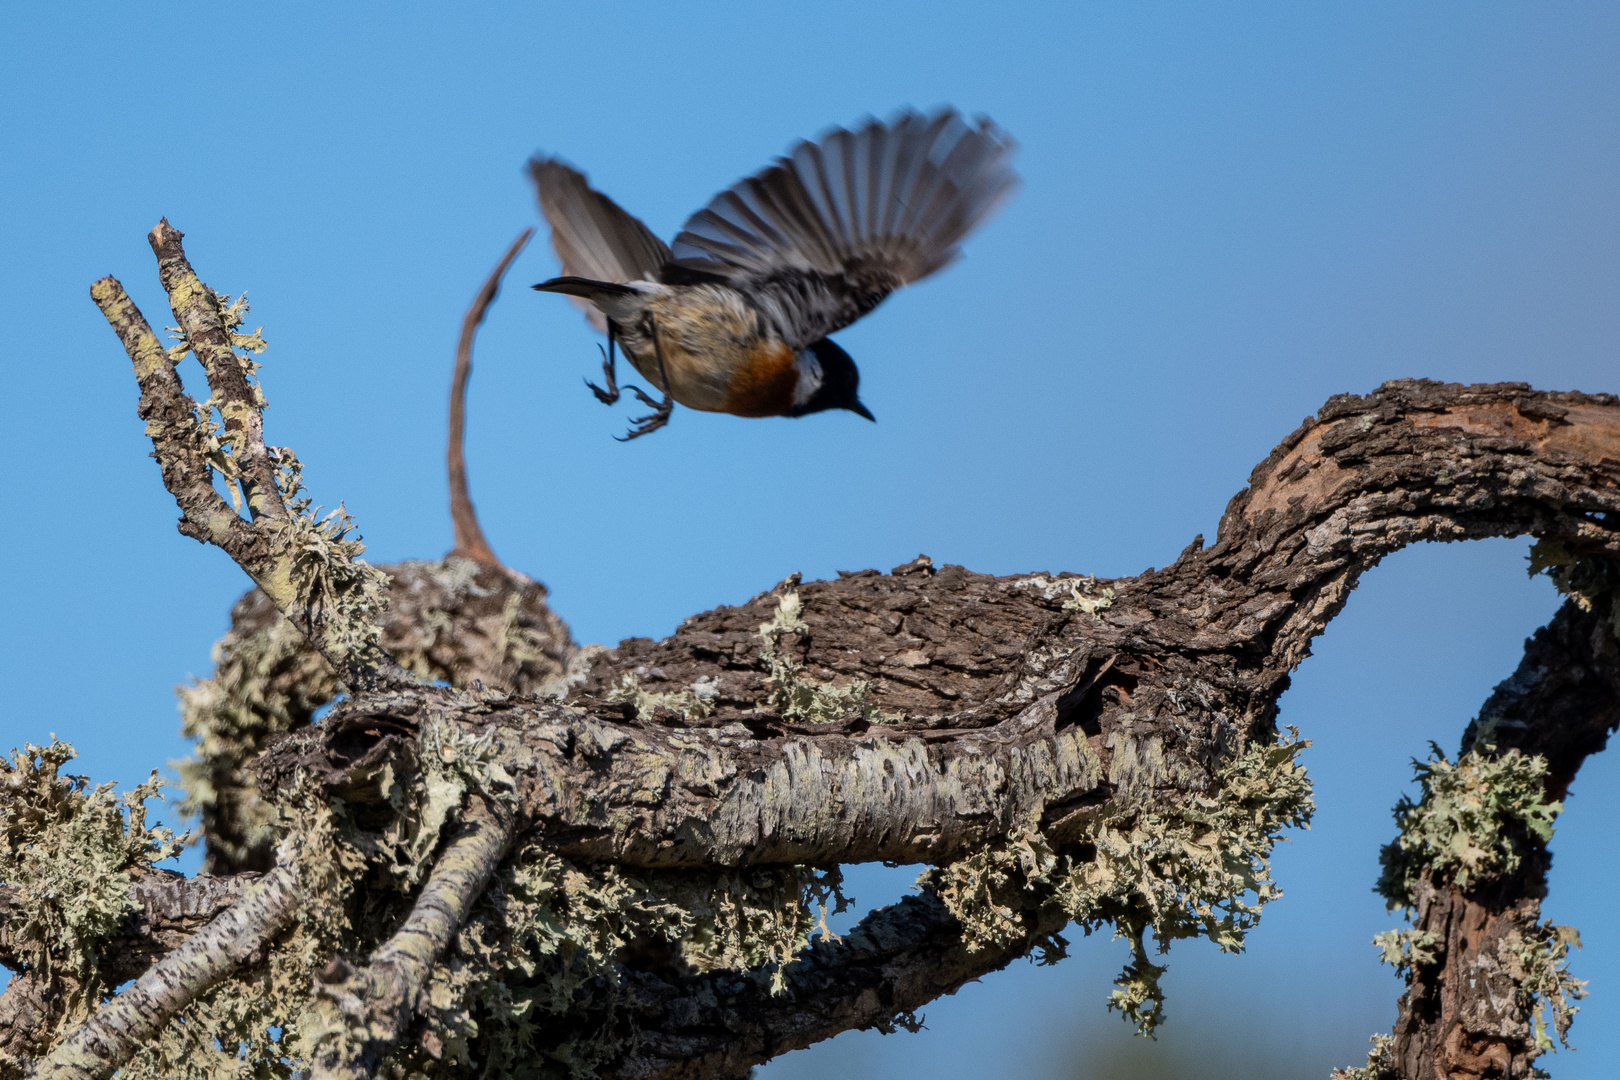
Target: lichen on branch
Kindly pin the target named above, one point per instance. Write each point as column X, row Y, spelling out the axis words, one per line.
column 68, row 856
column 1471, row 821
column 1200, row 870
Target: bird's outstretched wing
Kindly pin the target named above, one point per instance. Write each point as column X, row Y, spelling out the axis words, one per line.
column 592, row 235
column 821, row 237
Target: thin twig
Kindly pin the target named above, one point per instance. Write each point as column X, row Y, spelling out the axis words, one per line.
column 470, row 542
column 105, row 1042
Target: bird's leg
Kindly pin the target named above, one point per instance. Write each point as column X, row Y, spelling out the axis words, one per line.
column 650, row 423
column 610, row 373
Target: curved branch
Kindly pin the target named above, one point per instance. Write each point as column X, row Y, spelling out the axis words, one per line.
column 897, row 960
column 470, row 542
column 1035, row 698
column 1465, row 1014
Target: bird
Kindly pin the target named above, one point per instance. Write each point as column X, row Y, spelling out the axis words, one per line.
column 734, row 316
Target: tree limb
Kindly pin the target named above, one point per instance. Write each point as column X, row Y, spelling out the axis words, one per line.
column 1467, row 1011
column 1006, row 712
column 121, row 1026
column 306, row 568
column 377, row 1004
column 470, row 542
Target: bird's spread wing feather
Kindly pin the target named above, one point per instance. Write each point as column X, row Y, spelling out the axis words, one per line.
column 821, row 237
column 592, row 235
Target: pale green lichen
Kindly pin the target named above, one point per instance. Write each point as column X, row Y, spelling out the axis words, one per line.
column 257, row 1024
column 800, row 700
column 1589, row 580
column 1406, row 949
column 533, row 985
column 265, row 683
column 1203, row 871
column 324, row 567
column 1380, row 1063
column 209, row 431
column 1471, row 820
column 1081, row 597
column 1539, row 965
column 694, row 702
column 67, row 854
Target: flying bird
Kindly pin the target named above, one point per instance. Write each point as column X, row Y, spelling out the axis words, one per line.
column 734, row 316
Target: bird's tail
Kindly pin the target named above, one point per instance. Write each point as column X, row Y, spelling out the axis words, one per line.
column 585, row 288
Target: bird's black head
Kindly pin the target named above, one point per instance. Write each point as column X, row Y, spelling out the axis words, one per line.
column 840, row 383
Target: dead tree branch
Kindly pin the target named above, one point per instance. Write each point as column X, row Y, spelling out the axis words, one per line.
column 1471, row 1003
column 470, row 542
column 378, row 1003
column 120, row 1027
column 925, row 715
column 307, row 567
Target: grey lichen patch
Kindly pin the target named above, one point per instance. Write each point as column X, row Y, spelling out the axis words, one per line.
column 260, row 1022
column 793, row 696
column 693, row 703
column 1203, row 871
column 534, row 982
column 1539, row 965
column 1380, row 1063
column 330, row 580
column 1086, row 597
column 1406, row 949
column 1080, row 592
column 1471, row 821
column 450, row 620
column 67, row 853
column 266, row 682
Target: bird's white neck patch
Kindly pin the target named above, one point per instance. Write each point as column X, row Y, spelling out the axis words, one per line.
column 809, row 378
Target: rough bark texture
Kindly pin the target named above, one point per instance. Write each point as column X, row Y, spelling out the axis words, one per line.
column 1464, row 1015
column 112, row 1036
column 1004, row 710
column 922, row 715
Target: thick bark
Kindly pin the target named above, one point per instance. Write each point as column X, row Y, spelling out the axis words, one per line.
column 922, row 715
column 1464, row 1014
column 1011, row 708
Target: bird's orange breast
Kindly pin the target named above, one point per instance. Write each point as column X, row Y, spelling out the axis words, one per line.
column 764, row 383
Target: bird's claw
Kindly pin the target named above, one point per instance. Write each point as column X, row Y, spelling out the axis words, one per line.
column 646, row 425
column 610, row 396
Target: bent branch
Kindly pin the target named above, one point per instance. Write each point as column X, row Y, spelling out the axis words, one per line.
column 470, row 542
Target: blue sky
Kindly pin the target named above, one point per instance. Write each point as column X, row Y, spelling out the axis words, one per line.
column 1229, row 213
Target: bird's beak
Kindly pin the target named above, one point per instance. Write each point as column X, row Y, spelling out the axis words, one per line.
column 861, row 410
